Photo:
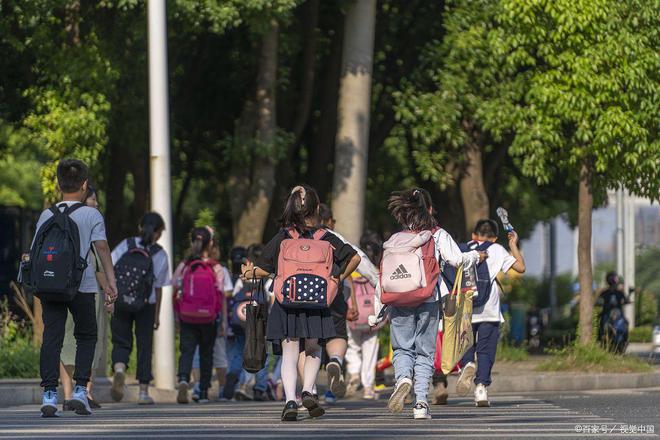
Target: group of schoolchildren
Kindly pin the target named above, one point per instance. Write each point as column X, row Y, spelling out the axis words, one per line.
column 326, row 298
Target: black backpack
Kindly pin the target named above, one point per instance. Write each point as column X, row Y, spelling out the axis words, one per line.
column 55, row 268
column 135, row 277
column 484, row 284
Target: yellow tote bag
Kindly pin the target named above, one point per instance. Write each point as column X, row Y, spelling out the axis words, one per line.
column 457, row 323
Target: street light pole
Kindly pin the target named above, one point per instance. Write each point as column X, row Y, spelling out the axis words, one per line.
column 629, row 255
column 161, row 198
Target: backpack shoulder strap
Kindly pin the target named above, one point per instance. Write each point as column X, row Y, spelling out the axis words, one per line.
column 154, row 249
column 70, row 209
column 131, row 243
column 319, row 234
column 293, row 233
column 55, row 209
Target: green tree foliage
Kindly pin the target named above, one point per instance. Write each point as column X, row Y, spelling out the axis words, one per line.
column 593, row 89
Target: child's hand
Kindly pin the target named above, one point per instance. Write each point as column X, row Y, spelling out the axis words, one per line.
column 247, row 267
column 352, row 315
column 513, row 238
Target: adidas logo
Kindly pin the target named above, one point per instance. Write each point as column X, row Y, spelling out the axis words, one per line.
column 400, row 273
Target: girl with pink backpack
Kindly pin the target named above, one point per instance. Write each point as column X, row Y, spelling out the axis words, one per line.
column 409, row 286
column 198, row 302
column 309, row 263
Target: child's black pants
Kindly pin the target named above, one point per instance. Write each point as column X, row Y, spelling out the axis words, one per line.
column 54, row 315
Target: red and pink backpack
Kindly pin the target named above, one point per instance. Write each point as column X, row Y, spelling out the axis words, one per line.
column 409, row 270
column 201, row 300
column 304, row 268
column 365, row 295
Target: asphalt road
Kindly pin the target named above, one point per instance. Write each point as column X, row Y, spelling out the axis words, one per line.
column 594, row 414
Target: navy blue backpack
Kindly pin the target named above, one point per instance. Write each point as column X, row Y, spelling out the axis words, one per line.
column 484, row 284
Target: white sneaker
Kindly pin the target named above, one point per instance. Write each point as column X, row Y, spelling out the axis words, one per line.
column 399, row 394
column 466, row 378
column 481, row 396
column 421, row 411
column 182, row 395
column 49, row 404
column 79, row 401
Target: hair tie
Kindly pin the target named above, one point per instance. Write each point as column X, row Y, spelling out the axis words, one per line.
column 302, row 192
column 415, row 192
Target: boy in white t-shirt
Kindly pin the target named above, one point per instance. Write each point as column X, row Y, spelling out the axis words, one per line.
column 486, row 319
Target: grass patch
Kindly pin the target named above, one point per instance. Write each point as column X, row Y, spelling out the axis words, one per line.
column 642, row 333
column 507, row 352
column 592, row 359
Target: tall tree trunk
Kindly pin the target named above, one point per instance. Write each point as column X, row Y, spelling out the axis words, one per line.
column 322, row 147
column 116, row 221
column 72, row 22
column 252, row 220
column 473, row 190
column 585, row 276
column 352, row 142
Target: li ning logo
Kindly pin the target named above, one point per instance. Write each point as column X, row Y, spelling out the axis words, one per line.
column 400, row 273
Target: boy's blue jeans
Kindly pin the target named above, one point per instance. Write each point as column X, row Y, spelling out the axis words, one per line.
column 413, row 333
column 486, row 336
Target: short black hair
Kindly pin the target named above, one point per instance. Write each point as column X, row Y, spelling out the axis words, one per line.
column 254, row 252
column 325, row 213
column 71, row 174
column 487, row 228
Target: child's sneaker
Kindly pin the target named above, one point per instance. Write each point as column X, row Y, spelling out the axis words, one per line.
column 66, row 407
column 144, row 398
column 441, row 395
column 49, row 404
column 241, row 394
column 203, row 397
column 465, row 380
column 79, row 401
column 399, row 394
column 369, row 394
column 353, row 384
column 195, row 392
column 421, row 411
column 336, row 378
column 117, row 390
column 290, row 412
column 329, row 398
column 481, row 396
column 182, row 395
column 311, row 402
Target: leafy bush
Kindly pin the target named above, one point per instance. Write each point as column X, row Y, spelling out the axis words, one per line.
column 19, row 358
column 592, row 358
column 646, row 308
column 641, row 334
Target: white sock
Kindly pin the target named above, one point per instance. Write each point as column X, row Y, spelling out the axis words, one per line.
column 290, row 350
column 312, row 364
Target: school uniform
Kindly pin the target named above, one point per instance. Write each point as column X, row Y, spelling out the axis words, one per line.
column 302, row 323
column 122, row 322
column 91, row 228
column 487, row 318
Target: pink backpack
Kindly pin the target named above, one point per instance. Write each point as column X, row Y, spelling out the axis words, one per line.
column 200, row 302
column 409, row 270
column 364, row 296
column 304, row 268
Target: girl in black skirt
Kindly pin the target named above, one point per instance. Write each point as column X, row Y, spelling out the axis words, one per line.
column 289, row 326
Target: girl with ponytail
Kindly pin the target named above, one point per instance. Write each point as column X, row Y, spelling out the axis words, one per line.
column 146, row 319
column 413, row 329
column 199, row 281
column 290, row 326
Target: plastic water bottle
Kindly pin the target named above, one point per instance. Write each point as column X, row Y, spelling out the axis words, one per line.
column 504, row 218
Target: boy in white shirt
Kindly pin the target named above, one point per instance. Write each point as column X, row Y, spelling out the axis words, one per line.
column 486, row 319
